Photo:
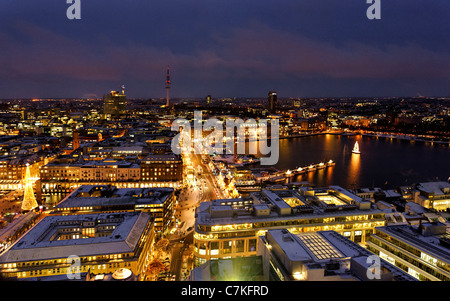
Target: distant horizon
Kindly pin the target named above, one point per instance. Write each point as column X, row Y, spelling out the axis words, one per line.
column 236, row 97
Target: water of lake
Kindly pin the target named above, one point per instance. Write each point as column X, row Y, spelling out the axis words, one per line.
column 383, row 162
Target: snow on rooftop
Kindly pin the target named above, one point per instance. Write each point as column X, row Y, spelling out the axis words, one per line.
column 293, row 248
column 120, row 196
column 347, row 193
column 438, row 188
column 38, row 245
column 390, row 193
column 275, row 199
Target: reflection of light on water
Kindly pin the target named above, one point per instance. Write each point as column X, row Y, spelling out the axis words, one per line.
column 320, row 177
column 366, row 170
column 311, row 177
column 354, row 169
column 329, row 175
column 321, row 173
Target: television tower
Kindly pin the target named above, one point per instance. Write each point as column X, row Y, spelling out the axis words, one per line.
column 167, row 86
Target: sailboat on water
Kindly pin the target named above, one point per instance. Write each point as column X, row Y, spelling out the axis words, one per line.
column 356, row 148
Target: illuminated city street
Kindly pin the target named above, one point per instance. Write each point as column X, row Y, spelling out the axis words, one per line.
column 201, row 186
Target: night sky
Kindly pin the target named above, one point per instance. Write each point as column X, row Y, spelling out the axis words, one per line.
column 225, row 48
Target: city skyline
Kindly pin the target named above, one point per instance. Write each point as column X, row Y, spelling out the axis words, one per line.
column 94, row 167
column 325, row 49
column 190, row 141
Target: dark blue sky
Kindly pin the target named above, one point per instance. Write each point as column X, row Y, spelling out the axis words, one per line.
column 226, row 48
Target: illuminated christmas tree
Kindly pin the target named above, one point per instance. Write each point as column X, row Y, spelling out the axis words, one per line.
column 29, row 201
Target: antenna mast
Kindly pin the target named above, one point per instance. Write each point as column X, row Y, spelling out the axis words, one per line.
column 167, row 86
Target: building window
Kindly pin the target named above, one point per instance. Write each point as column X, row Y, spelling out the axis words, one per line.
column 240, row 245
column 252, row 245
column 358, row 236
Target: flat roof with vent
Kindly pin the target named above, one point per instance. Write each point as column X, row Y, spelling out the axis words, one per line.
column 117, row 197
column 38, row 243
column 319, row 246
column 429, row 244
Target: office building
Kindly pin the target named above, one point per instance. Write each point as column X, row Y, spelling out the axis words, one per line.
column 321, row 256
column 162, row 168
column 432, row 195
column 91, row 171
column 62, row 176
column 102, row 243
column 88, row 199
column 229, row 228
column 13, row 167
column 422, row 251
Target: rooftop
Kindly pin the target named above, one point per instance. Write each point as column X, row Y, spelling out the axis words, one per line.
column 163, row 157
column 326, row 250
column 106, row 195
column 41, row 242
column 438, row 188
column 273, row 205
column 430, row 238
column 93, row 164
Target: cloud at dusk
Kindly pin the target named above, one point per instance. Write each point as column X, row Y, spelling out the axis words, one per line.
column 245, row 58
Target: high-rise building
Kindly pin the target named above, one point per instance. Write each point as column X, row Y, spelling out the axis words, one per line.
column 114, row 104
column 272, row 101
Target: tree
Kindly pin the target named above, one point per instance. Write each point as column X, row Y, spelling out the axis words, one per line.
column 162, row 244
column 155, row 267
column 161, row 247
column 189, row 252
